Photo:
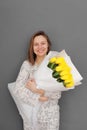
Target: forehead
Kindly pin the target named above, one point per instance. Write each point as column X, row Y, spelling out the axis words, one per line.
column 40, row 38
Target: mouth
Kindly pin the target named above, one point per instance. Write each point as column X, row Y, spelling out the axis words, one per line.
column 41, row 51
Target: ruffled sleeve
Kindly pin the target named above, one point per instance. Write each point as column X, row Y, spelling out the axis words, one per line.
column 20, row 90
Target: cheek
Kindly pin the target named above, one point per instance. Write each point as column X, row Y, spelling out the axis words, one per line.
column 34, row 48
column 45, row 46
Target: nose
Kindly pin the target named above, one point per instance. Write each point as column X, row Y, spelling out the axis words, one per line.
column 40, row 46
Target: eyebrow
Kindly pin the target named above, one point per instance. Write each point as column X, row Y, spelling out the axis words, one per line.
column 41, row 41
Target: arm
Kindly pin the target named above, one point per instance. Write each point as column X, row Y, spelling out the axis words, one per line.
column 31, row 85
column 20, row 89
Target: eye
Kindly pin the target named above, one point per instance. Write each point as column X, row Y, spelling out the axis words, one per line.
column 35, row 44
column 43, row 43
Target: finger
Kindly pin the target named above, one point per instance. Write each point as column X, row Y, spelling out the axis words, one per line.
column 33, row 79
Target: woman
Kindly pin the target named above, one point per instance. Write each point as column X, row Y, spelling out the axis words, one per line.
column 43, row 106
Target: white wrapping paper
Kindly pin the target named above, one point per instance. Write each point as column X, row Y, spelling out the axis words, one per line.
column 43, row 75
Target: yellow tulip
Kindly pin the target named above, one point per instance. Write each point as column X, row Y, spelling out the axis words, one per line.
column 69, row 85
column 53, row 59
column 68, row 68
column 66, row 77
column 68, row 80
column 60, row 60
column 65, row 66
column 65, row 72
column 59, row 68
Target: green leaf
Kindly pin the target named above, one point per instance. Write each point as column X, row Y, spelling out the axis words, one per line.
column 59, row 79
column 52, row 65
column 64, row 84
column 49, row 65
column 55, row 74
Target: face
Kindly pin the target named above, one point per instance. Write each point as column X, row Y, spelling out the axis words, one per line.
column 40, row 46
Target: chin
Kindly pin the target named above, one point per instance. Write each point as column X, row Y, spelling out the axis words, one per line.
column 41, row 54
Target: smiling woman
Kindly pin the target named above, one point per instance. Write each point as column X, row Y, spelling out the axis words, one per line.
column 40, row 47
column 37, row 104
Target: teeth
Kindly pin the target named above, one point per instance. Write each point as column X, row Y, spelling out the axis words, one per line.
column 40, row 51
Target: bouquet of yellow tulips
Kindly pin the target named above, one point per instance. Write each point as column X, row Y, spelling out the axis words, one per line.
column 61, row 71
column 57, row 66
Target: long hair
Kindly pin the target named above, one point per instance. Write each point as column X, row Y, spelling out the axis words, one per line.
column 31, row 54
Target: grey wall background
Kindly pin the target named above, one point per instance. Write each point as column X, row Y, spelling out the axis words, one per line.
column 65, row 21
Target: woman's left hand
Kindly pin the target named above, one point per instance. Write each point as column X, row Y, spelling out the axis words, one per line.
column 31, row 85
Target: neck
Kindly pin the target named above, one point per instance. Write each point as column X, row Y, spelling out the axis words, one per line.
column 39, row 59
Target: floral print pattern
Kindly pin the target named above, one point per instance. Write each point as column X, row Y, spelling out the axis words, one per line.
column 46, row 116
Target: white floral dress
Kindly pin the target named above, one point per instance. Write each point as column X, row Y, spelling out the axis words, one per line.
column 37, row 115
